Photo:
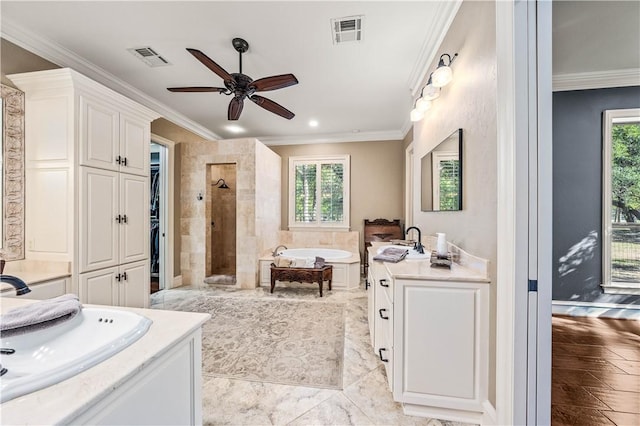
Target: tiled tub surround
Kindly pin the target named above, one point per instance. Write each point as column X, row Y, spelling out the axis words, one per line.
column 346, row 271
column 46, row 279
column 430, row 327
column 117, row 390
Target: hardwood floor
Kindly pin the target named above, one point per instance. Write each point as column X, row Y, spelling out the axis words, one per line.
column 596, row 371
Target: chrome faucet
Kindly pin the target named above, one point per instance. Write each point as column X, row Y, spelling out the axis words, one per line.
column 275, row 252
column 20, row 286
column 418, row 245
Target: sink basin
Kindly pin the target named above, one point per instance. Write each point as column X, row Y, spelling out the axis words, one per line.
column 411, row 255
column 48, row 356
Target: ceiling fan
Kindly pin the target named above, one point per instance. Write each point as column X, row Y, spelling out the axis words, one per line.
column 242, row 86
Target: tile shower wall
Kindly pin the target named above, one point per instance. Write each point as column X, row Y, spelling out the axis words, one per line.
column 257, row 205
column 221, row 213
column 321, row 239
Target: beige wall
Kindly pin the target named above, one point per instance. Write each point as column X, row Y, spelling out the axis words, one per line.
column 253, row 233
column 377, row 179
column 14, row 60
column 469, row 102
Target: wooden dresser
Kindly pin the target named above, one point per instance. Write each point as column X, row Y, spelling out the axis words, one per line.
column 380, row 230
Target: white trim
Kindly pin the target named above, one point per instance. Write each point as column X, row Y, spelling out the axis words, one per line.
column 489, row 415
column 409, row 185
column 383, row 135
column 63, row 57
column 170, row 280
column 442, row 19
column 596, row 80
column 596, row 309
column 611, row 117
column 346, row 182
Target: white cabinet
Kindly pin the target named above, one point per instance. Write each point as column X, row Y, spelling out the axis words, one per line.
column 114, row 219
column 125, row 285
column 42, row 290
column 87, row 180
column 113, row 140
column 432, row 335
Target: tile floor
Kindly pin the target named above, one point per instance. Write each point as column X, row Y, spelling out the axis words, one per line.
column 364, row 400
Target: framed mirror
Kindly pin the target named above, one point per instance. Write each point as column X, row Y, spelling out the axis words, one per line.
column 12, row 172
column 441, row 176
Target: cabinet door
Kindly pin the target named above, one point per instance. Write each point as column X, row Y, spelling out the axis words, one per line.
column 99, row 134
column 134, row 287
column 134, row 208
column 135, row 137
column 98, row 226
column 100, row 287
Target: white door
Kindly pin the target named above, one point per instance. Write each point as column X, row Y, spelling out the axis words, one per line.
column 99, row 134
column 134, row 211
column 99, row 224
column 134, row 285
column 135, row 136
column 100, row 287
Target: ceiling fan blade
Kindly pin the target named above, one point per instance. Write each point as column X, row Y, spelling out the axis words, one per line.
column 274, row 82
column 235, row 108
column 209, row 63
column 272, row 106
column 197, row 89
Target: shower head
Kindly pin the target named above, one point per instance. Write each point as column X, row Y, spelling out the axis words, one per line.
column 223, row 186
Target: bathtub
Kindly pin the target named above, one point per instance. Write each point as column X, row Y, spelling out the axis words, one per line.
column 327, row 254
column 346, row 265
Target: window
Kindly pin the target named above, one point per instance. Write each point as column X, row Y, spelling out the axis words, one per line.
column 319, row 192
column 446, row 181
column 621, row 201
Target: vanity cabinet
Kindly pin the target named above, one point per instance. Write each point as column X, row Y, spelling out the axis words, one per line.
column 87, row 181
column 431, row 331
column 125, row 285
column 41, row 290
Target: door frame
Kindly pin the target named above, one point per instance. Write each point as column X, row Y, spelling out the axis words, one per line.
column 170, row 280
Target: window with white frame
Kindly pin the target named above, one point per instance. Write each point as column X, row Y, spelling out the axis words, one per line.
column 621, row 201
column 319, row 192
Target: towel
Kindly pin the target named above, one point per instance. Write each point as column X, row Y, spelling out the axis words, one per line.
column 319, row 263
column 39, row 315
column 391, row 254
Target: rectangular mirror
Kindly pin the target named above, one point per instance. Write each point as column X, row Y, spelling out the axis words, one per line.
column 441, row 176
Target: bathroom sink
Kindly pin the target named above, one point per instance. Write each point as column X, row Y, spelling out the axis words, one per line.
column 411, row 255
column 48, row 356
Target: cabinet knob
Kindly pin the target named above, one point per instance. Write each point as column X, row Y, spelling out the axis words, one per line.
column 124, row 161
column 381, row 357
column 366, row 284
column 118, row 160
column 382, row 316
column 119, row 219
column 383, row 283
column 124, row 218
column 118, row 277
column 124, row 276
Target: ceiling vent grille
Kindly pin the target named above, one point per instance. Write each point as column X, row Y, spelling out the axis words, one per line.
column 149, row 56
column 347, row 29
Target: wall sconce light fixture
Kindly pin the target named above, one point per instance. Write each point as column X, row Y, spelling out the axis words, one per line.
column 223, row 186
column 439, row 78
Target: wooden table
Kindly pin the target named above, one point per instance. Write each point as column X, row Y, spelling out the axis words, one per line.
column 302, row 275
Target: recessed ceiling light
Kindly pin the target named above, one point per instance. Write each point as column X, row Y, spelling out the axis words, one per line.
column 234, row 129
column 313, row 123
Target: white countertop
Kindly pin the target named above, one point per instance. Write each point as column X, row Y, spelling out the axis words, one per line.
column 69, row 398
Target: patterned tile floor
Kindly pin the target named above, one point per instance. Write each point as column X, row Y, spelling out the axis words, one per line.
column 364, row 400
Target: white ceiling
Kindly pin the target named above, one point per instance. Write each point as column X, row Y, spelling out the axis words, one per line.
column 357, row 91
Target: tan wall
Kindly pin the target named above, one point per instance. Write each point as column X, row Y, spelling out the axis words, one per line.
column 469, row 102
column 268, row 195
column 14, row 60
column 196, row 158
column 377, row 180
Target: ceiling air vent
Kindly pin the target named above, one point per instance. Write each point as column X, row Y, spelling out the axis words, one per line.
column 149, row 56
column 347, row 29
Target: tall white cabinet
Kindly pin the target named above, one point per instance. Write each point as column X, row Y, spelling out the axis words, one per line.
column 87, row 184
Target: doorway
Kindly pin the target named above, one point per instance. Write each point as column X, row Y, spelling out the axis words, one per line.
column 158, row 216
column 221, row 217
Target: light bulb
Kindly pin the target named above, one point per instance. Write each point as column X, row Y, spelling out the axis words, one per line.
column 442, row 76
column 423, row 105
column 416, row 115
column 430, row 92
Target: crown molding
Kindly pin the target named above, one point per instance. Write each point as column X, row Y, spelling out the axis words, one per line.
column 63, row 57
column 385, row 135
column 596, row 80
column 442, row 19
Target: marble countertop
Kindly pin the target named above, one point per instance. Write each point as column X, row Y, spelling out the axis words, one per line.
column 63, row 401
column 473, row 270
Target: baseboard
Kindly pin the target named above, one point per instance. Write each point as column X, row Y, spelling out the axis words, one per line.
column 449, row 414
column 596, row 309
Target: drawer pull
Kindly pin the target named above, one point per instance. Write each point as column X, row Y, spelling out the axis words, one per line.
column 382, row 316
column 366, row 284
column 380, row 353
column 383, row 283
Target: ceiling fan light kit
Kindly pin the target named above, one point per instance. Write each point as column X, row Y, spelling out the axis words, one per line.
column 241, row 86
column 442, row 76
